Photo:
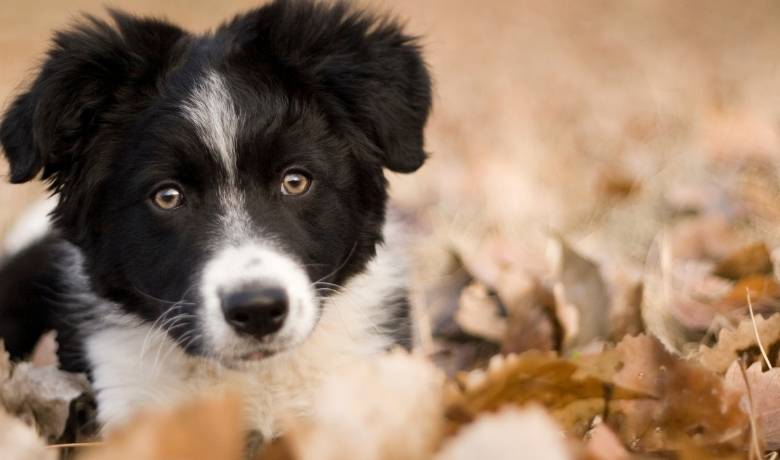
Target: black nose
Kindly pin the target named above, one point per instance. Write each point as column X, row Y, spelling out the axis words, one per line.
column 257, row 311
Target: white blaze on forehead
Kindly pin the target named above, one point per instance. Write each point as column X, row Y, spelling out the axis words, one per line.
column 212, row 110
column 235, row 222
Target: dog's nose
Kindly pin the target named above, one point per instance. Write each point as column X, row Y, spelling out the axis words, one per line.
column 256, row 311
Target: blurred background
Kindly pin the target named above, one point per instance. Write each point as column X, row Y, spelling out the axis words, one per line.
column 606, row 123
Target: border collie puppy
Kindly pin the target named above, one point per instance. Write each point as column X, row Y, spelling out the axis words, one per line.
column 220, row 203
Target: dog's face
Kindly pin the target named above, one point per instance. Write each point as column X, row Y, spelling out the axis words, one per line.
column 219, row 186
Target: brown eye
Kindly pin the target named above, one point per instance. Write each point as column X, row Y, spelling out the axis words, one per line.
column 295, row 183
column 168, row 198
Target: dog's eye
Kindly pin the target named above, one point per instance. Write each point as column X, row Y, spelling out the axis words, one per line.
column 295, row 183
column 168, row 198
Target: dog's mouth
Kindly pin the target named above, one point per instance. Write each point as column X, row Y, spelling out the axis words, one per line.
column 249, row 359
column 257, row 355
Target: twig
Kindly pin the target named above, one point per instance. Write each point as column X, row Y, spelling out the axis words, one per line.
column 75, row 444
column 755, row 330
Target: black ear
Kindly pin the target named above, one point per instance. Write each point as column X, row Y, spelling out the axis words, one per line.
column 364, row 70
column 87, row 71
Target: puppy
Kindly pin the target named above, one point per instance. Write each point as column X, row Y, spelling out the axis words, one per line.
column 220, row 203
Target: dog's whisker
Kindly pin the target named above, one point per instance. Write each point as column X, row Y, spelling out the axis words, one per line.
column 157, row 299
column 342, row 265
column 158, row 325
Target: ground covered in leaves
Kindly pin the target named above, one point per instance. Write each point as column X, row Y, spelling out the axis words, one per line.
column 556, row 354
column 597, row 238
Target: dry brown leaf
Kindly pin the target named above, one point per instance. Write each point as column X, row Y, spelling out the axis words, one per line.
column 764, row 388
column 749, row 260
column 488, row 257
column 41, row 396
column 582, row 301
column 441, row 296
column 577, row 417
column 732, row 343
column 45, row 351
column 531, row 329
column 390, row 407
column 625, row 316
column 20, row 442
column 511, row 433
column 657, row 297
column 704, row 237
column 531, row 323
column 205, row 429
column 603, row 444
column 690, row 401
column 691, row 451
column 764, row 294
column 537, row 377
column 453, row 357
column 479, row 313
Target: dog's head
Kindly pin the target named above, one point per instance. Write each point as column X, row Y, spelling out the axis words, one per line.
column 214, row 183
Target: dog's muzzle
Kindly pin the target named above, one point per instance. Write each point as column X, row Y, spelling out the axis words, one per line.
column 257, row 301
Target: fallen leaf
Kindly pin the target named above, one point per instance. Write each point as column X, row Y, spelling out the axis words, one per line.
column 657, row 296
column 625, row 316
column 603, row 444
column 733, row 343
column 689, row 401
column 453, row 357
column 42, row 396
column 18, row 441
column 511, row 433
column 390, row 407
column 764, row 388
column 45, row 351
column 442, row 300
column 704, row 237
column 582, row 301
column 538, row 377
column 479, row 313
column 204, row 429
column 531, row 323
column 749, row 260
column 764, row 294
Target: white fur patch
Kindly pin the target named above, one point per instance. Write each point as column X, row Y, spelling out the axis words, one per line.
column 32, row 226
column 236, row 267
column 234, row 221
column 137, row 367
column 211, row 109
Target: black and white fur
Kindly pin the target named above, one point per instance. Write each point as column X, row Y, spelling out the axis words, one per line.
column 136, row 292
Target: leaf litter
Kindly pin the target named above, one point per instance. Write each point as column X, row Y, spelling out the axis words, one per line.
column 622, row 335
column 553, row 383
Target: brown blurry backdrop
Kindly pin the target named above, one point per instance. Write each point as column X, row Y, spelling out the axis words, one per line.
column 545, row 112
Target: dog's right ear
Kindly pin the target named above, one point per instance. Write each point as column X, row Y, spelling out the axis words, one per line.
column 88, row 70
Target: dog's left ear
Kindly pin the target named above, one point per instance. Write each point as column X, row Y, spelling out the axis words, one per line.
column 363, row 70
